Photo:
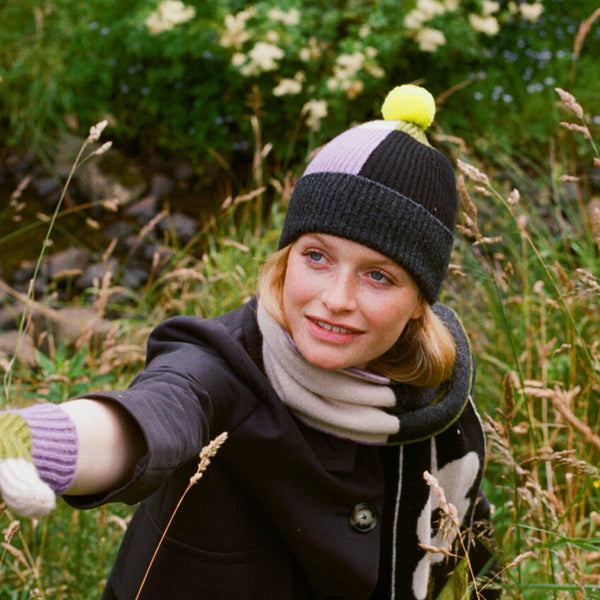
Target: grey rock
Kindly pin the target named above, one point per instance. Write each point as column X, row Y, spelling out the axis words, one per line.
column 161, row 185
column 94, row 273
column 183, row 171
column 68, row 326
column 45, row 186
column 69, row 260
column 110, row 177
column 9, row 318
column 184, row 228
column 21, row 348
column 143, row 210
column 134, row 277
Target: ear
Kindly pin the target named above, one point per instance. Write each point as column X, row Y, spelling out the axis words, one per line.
column 419, row 309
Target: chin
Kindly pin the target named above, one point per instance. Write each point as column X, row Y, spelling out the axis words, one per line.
column 326, row 363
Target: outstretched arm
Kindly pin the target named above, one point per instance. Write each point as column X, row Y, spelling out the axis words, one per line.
column 79, row 447
column 110, row 445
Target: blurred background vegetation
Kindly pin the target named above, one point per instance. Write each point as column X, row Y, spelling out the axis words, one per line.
column 184, row 79
column 247, row 90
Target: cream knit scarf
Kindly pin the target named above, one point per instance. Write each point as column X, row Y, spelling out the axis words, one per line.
column 347, row 403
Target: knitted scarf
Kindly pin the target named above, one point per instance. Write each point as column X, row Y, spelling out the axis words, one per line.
column 359, row 405
column 370, row 409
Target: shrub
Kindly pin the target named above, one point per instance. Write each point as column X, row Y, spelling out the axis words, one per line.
column 186, row 78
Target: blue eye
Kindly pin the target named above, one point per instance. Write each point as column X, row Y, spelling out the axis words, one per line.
column 378, row 276
column 316, row 256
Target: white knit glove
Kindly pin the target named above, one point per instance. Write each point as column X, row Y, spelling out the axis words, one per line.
column 20, row 485
column 38, row 457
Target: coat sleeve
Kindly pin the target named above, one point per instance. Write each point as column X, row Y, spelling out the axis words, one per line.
column 197, row 383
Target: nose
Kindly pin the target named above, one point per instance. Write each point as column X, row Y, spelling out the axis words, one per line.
column 339, row 293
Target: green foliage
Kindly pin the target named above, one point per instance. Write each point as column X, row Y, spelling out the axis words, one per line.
column 190, row 88
column 66, row 375
column 510, row 93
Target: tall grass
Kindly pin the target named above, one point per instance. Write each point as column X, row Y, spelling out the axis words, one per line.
column 530, row 264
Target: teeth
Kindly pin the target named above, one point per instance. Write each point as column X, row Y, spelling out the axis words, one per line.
column 333, row 327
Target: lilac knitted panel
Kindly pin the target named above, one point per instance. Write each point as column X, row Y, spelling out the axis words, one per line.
column 54, row 444
column 347, row 152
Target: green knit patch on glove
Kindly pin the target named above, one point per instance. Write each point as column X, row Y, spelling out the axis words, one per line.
column 20, row 485
column 15, row 437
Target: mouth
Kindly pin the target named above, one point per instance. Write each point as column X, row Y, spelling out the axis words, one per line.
column 333, row 328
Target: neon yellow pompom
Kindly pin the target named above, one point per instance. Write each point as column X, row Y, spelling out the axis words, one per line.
column 409, row 103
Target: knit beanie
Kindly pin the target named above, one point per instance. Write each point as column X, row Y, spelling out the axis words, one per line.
column 381, row 184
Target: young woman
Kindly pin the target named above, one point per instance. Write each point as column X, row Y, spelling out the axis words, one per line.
column 341, row 385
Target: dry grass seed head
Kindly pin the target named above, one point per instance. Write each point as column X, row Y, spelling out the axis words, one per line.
column 449, row 524
column 205, row 456
column 473, row 173
column 509, row 399
column 570, row 102
column 513, row 197
column 595, row 219
column 15, row 552
column 519, row 559
column 11, row 531
column 579, row 128
column 582, row 33
column 96, row 131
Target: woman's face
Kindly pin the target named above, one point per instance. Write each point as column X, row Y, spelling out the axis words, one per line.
column 344, row 303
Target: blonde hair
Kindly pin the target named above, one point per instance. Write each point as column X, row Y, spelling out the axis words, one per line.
column 423, row 356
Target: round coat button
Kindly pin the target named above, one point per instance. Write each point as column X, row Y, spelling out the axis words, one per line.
column 364, row 517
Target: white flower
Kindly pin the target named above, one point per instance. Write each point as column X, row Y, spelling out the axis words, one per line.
column 249, row 69
column 531, row 12
column 370, row 52
column 264, row 55
column 290, row 18
column 430, row 8
column 235, row 33
column 272, row 37
column 364, row 31
column 348, row 65
column 487, row 25
column 430, row 39
column 353, row 88
column 490, row 7
column 238, row 59
column 414, row 19
column 314, row 111
column 451, row 5
column 246, row 14
column 375, row 71
column 169, row 13
column 310, row 52
column 333, row 84
column 287, row 87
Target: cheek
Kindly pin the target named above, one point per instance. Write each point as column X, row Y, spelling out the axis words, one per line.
column 294, row 292
column 298, row 286
column 391, row 318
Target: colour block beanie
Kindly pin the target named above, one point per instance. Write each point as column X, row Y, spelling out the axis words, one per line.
column 382, row 184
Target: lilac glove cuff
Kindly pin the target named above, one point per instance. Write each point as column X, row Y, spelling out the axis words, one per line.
column 54, row 444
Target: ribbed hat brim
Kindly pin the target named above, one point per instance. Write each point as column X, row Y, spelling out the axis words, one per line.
column 362, row 210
